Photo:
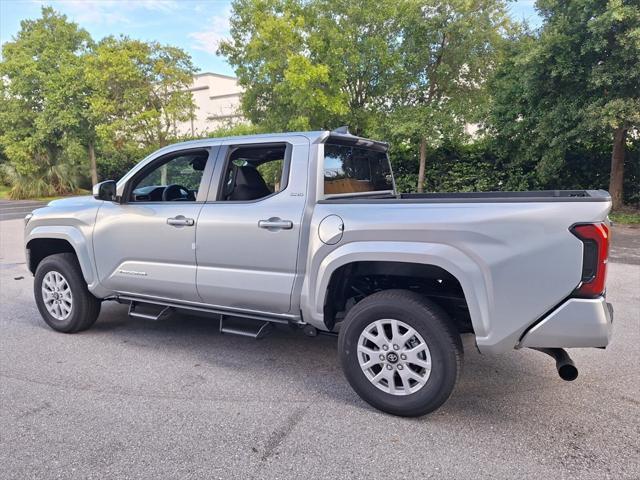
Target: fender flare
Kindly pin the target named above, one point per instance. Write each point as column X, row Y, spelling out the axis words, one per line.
column 77, row 241
column 474, row 279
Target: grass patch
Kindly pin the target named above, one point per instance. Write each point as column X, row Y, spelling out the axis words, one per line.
column 5, row 189
column 625, row 217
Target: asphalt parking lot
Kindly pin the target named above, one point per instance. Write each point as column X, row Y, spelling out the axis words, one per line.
column 175, row 399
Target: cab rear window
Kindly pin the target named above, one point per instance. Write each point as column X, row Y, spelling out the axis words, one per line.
column 350, row 169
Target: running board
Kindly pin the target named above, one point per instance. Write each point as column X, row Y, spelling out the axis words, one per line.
column 285, row 319
column 165, row 312
column 243, row 327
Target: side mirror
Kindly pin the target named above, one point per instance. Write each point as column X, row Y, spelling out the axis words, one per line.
column 105, row 191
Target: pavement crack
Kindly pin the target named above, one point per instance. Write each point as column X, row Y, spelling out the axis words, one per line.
column 34, row 410
column 280, row 434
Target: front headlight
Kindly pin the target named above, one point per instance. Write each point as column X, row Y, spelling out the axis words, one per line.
column 27, row 218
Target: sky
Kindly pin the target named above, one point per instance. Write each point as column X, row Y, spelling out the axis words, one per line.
column 194, row 25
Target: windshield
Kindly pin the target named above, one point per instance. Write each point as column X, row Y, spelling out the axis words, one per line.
column 349, row 169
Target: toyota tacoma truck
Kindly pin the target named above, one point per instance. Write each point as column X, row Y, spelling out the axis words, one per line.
column 307, row 229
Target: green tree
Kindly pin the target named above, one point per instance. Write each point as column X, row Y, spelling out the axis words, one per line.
column 310, row 65
column 42, row 103
column 572, row 86
column 139, row 91
column 448, row 52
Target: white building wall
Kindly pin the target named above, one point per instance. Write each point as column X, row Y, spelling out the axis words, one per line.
column 217, row 103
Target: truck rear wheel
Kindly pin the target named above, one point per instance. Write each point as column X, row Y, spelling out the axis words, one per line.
column 400, row 353
column 61, row 294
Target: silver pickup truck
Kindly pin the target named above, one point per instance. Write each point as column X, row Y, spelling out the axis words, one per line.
column 307, row 229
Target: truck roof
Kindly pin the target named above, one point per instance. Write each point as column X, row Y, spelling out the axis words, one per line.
column 318, row 136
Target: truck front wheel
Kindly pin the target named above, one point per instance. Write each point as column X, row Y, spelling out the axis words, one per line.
column 61, row 294
column 400, row 353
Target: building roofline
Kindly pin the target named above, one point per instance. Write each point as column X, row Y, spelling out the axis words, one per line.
column 215, row 75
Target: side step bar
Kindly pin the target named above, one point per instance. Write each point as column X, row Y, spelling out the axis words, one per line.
column 285, row 319
column 165, row 312
column 244, row 327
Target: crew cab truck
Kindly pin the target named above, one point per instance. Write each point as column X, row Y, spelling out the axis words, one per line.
column 307, row 229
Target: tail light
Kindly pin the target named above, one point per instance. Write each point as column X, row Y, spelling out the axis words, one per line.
column 595, row 238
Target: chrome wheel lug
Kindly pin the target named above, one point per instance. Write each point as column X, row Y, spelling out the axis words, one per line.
column 385, row 347
column 381, row 357
column 389, row 367
column 400, row 367
column 403, row 356
column 396, row 347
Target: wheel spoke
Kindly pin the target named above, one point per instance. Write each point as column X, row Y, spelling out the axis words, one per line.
column 380, row 329
column 406, row 383
column 395, row 332
column 379, row 376
column 372, row 353
column 374, row 360
column 412, row 353
column 406, row 336
column 377, row 339
column 421, row 379
column 414, row 358
column 391, row 381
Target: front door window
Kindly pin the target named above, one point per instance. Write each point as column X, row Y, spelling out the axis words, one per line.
column 177, row 179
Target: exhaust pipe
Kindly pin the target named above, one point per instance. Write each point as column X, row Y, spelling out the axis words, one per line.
column 565, row 366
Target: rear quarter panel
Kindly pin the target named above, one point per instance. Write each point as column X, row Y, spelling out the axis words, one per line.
column 515, row 261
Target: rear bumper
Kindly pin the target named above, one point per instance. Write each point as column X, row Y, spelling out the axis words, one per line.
column 579, row 322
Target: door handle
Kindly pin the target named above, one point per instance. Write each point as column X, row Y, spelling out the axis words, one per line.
column 275, row 223
column 180, row 221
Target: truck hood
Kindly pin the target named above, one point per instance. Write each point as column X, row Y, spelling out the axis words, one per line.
column 83, row 201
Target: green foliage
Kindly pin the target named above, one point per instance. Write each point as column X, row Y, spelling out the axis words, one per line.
column 139, row 90
column 116, row 159
column 561, row 93
column 625, row 217
column 405, row 69
column 42, row 96
column 451, row 168
column 412, row 72
column 446, row 53
column 48, row 176
column 271, row 172
column 312, row 65
column 238, row 129
column 62, row 96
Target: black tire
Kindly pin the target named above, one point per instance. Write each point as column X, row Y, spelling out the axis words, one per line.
column 85, row 308
column 431, row 322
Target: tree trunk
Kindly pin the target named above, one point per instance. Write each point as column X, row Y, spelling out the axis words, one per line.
column 92, row 163
column 617, row 168
column 423, row 162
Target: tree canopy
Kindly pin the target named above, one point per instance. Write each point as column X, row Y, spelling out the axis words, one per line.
column 310, row 65
column 468, row 98
column 417, row 66
column 42, row 101
column 572, row 86
column 140, row 89
column 64, row 96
